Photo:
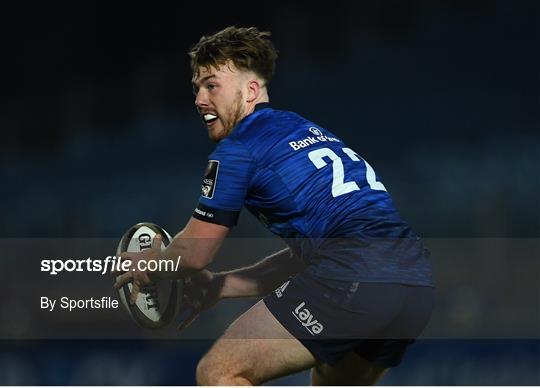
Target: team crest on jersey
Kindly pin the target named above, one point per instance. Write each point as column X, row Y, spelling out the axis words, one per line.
column 210, row 177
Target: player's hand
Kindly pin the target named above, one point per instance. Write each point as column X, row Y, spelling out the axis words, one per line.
column 139, row 278
column 201, row 291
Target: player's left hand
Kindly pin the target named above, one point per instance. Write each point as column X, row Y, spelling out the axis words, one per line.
column 134, row 274
column 202, row 291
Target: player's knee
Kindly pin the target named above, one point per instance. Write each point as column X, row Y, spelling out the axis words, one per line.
column 204, row 374
column 212, row 372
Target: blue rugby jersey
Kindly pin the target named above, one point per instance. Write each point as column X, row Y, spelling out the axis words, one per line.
column 306, row 186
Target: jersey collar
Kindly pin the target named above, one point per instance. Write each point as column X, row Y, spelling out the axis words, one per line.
column 261, row 105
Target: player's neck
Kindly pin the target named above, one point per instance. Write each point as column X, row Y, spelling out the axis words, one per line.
column 262, row 98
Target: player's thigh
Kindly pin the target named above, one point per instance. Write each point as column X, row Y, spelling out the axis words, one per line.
column 257, row 347
column 349, row 370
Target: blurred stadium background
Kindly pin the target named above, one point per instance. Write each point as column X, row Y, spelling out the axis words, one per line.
column 442, row 97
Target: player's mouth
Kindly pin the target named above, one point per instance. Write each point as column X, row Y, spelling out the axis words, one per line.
column 209, row 119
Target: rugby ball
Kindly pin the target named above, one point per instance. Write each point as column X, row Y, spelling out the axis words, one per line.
column 158, row 302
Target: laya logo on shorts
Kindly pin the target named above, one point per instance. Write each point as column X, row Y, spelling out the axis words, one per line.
column 281, row 289
column 305, row 317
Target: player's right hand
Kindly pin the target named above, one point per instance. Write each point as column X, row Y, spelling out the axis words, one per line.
column 201, row 291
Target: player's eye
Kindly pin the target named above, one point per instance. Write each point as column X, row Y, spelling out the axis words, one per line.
column 195, row 91
column 211, row 86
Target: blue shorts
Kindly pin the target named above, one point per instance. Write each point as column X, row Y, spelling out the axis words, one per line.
column 331, row 317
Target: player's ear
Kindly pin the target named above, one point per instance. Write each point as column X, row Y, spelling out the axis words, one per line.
column 254, row 89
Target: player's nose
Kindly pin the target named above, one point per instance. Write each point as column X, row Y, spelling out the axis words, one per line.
column 200, row 99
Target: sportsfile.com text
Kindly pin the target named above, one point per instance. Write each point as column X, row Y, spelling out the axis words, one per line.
column 107, row 265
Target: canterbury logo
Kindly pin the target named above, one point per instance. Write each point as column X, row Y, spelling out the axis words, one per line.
column 306, row 319
column 281, row 289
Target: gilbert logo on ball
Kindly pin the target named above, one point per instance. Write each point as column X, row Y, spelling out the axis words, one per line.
column 158, row 302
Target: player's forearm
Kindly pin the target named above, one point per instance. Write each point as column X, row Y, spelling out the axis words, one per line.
column 191, row 254
column 193, row 248
column 262, row 277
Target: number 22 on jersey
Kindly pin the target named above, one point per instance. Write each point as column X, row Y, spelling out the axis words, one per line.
column 339, row 186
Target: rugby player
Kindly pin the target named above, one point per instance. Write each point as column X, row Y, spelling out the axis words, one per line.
column 354, row 287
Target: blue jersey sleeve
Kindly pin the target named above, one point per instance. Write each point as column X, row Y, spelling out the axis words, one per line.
column 225, row 184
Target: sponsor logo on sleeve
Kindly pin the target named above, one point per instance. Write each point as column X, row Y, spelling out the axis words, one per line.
column 204, row 213
column 210, row 179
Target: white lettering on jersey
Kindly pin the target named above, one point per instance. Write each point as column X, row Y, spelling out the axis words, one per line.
column 307, row 141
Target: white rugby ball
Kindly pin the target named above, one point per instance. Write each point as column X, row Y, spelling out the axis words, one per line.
column 158, row 303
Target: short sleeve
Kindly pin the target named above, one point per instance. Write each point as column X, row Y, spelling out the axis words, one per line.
column 225, row 184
